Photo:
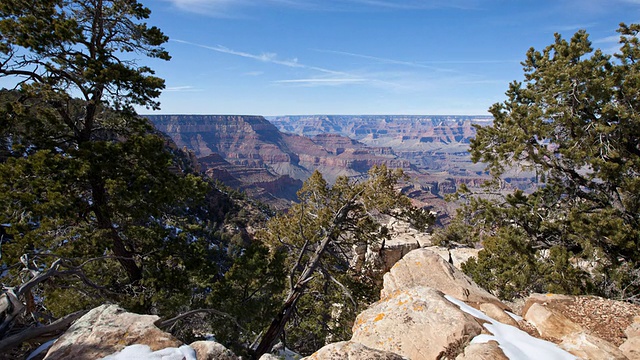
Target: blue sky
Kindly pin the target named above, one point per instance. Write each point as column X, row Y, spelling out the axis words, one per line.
column 277, row 57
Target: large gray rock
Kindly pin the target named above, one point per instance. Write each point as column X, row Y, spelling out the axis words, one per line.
column 349, row 350
column 422, row 267
column 418, row 323
column 108, row 329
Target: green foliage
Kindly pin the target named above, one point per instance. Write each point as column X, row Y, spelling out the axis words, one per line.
column 318, row 235
column 573, row 122
column 250, row 293
column 83, row 179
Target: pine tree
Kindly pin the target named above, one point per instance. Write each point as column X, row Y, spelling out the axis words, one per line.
column 318, row 234
column 574, row 123
column 88, row 189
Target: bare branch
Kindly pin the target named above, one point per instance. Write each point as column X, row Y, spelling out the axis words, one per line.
column 165, row 324
column 40, row 333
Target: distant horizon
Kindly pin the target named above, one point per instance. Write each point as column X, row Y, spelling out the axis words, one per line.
column 271, row 116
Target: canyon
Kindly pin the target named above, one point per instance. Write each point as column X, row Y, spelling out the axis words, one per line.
column 269, row 158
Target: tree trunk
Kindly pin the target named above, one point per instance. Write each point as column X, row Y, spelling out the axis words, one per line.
column 123, row 255
column 280, row 321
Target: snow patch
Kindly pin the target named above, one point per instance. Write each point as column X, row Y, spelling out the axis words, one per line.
column 514, row 316
column 143, row 352
column 41, row 348
column 515, row 343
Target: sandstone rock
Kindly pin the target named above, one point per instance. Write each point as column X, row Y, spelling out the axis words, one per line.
column 496, row 312
column 402, row 232
column 545, row 299
column 422, row 267
column 589, row 347
column 380, row 257
column 605, row 318
column 458, row 255
column 633, row 330
column 416, row 322
column 106, row 330
column 211, row 350
column 631, row 347
column 550, row 323
column 547, row 313
column 484, row 351
column 349, row 350
column 395, row 249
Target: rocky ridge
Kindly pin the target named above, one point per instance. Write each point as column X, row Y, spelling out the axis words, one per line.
column 428, row 310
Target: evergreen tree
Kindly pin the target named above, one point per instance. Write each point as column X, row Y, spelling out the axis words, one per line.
column 318, row 235
column 87, row 188
column 574, row 123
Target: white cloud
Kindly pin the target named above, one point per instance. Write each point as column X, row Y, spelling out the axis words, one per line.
column 186, row 88
column 264, row 57
column 226, row 8
column 322, row 81
column 253, row 73
column 387, row 61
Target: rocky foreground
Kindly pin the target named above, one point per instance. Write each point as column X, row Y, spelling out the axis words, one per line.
column 428, row 310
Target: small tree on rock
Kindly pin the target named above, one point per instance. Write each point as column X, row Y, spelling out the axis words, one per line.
column 318, row 234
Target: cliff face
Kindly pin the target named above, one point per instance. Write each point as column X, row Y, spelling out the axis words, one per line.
column 252, row 154
column 424, row 128
column 248, row 152
column 433, row 143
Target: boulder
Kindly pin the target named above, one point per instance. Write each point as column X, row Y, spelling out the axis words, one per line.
column 631, row 347
column 268, row 356
column 483, row 351
column 211, row 350
column 108, row 329
column 496, row 312
column 586, row 326
column 417, row 322
column 458, row 255
column 395, row 249
column 423, row 267
column 402, row 233
column 550, row 323
column 589, row 347
column 349, row 350
column 546, row 299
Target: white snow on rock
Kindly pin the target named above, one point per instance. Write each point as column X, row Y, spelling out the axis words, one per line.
column 143, row 352
column 41, row 348
column 515, row 343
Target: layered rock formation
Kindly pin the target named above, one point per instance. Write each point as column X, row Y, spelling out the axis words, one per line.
column 250, row 154
column 423, row 128
column 436, row 146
